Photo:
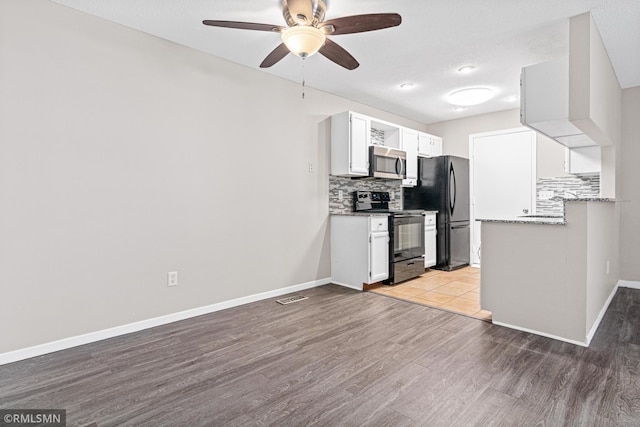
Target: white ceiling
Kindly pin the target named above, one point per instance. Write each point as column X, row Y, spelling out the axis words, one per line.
column 436, row 38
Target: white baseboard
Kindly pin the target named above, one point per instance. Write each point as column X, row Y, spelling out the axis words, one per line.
column 65, row 343
column 531, row 331
column 628, row 284
column 595, row 325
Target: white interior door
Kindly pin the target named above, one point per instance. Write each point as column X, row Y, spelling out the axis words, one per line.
column 503, row 178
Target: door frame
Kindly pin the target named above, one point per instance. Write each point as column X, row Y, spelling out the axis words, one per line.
column 473, row 223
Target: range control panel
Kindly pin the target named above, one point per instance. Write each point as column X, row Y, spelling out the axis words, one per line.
column 368, row 200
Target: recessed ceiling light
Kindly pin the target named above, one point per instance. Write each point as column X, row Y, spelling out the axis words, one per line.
column 459, row 108
column 406, row 85
column 466, row 69
column 511, row 98
column 471, row 96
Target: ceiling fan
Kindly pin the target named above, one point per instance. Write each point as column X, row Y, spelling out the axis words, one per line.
column 306, row 31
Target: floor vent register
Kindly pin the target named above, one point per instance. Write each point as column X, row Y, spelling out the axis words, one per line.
column 289, row 300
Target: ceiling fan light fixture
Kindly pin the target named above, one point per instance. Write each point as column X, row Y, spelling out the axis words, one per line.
column 471, row 96
column 303, row 40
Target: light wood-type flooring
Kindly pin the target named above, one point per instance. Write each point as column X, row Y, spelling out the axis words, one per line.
column 340, row 358
column 457, row 291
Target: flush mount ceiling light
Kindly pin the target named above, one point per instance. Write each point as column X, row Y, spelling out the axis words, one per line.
column 466, row 69
column 459, row 108
column 471, row 96
column 511, row 98
column 406, row 86
column 303, row 40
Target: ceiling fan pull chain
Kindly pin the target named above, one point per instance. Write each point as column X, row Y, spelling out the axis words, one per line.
column 303, row 83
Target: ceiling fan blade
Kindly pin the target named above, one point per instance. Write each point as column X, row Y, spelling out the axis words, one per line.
column 362, row 23
column 276, row 55
column 337, row 54
column 301, row 11
column 243, row 25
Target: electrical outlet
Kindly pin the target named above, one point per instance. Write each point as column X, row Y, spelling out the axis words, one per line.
column 310, row 167
column 172, row 278
column 545, row 195
column 340, row 195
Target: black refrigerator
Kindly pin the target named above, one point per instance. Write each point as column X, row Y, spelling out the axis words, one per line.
column 443, row 186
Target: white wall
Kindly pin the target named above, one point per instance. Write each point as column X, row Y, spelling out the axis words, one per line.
column 455, row 134
column 594, row 95
column 124, row 157
column 628, row 190
column 566, row 285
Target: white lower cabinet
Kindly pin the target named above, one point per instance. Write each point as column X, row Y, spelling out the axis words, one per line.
column 378, row 256
column 430, row 231
column 359, row 250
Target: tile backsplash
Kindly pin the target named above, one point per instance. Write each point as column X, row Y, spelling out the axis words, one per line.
column 587, row 186
column 347, row 186
column 377, row 137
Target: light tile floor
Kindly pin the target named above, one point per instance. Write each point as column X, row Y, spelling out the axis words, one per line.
column 457, row 291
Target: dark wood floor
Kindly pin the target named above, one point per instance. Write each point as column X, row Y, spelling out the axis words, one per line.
column 340, row 358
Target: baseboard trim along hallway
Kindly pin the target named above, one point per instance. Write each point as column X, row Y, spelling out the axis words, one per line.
column 65, row 343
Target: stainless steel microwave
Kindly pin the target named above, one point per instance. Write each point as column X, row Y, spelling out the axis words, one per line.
column 387, row 162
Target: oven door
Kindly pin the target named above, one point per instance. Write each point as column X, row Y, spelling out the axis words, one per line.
column 408, row 237
column 387, row 163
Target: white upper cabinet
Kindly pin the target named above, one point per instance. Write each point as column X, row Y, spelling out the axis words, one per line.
column 352, row 134
column 544, row 103
column 410, row 146
column 350, row 141
column 582, row 161
column 429, row 145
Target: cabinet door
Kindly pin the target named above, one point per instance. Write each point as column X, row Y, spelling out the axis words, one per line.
column 430, row 232
column 378, row 256
column 436, row 146
column 424, row 147
column 410, row 146
column 430, row 258
column 359, row 137
column 583, row 160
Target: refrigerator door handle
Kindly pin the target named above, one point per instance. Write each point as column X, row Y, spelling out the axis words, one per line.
column 457, row 227
column 452, row 180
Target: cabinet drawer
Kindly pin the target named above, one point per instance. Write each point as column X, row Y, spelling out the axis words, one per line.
column 379, row 223
column 429, row 219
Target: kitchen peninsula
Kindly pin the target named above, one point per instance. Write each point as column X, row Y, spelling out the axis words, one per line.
column 552, row 276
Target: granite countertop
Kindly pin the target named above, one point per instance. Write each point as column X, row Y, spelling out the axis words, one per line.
column 361, row 214
column 584, row 199
column 548, row 219
column 532, row 219
column 371, row 213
